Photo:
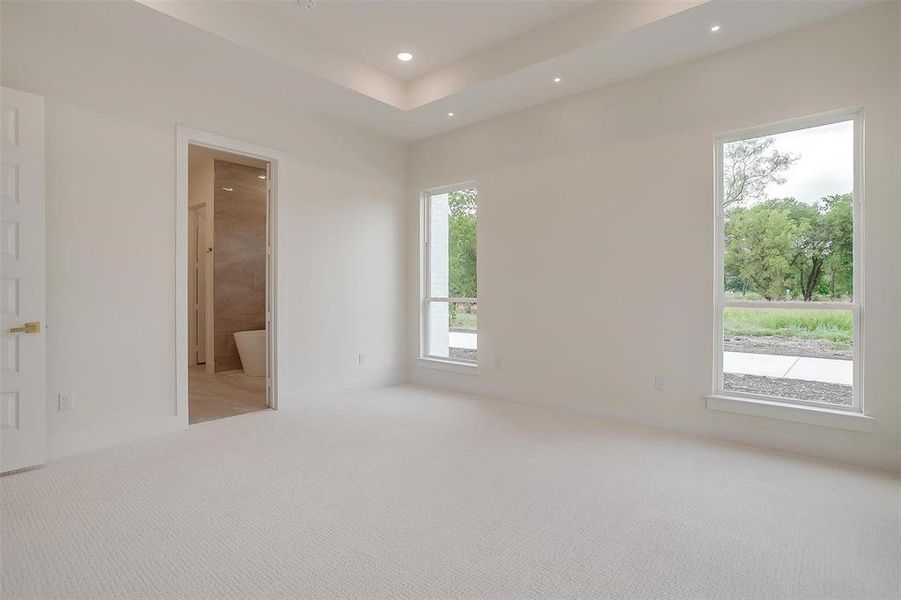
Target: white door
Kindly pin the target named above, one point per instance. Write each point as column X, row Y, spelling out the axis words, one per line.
column 192, row 288
column 23, row 389
column 197, row 296
column 270, row 277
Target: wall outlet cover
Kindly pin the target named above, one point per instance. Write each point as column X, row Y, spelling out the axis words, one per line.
column 66, row 401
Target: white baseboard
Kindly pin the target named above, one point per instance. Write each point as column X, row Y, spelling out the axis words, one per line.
column 84, row 440
column 841, row 447
column 319, row 393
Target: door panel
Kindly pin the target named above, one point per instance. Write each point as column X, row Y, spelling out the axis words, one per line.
column 192, row 288
column 23, row 387
column 197, row 295
column 270, row 213
column 201, row 283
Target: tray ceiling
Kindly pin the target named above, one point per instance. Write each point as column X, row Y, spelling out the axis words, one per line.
column 480, row 58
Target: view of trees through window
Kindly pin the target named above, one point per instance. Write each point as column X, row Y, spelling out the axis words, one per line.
column 463, row 316
column 453, row 302
column 788, row 237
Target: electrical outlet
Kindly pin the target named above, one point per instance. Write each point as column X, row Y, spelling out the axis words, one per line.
column 659, row 383
column 66, row 401
column 498, row 364
column 361, row 359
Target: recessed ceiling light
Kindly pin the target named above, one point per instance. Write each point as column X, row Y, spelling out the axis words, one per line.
column 715, row 28
column 557, row 80
column 405, row 57
column 261, row 177
column 227, row 189
column 450, row 114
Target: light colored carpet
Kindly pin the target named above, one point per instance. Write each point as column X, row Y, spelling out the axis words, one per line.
column 411, row 493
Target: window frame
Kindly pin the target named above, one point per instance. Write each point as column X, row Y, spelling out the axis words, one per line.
column 856, row 115
column 426, row 299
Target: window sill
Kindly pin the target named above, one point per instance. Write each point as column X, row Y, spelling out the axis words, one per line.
column 813, row 415
column 451, row 366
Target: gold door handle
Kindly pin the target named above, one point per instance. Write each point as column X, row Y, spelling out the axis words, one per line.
column 32, row 327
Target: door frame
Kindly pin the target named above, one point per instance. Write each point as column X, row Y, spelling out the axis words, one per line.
column 185, row 137
column 194, row 296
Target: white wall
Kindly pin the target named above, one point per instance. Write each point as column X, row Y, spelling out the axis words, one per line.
column 117, row 78
column 603, row 203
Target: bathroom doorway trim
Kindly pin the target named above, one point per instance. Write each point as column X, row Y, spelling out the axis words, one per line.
column 185, row 137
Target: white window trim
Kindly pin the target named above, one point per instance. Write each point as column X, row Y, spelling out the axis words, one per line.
column 799, row 413
column 449, row 365
column 437, row 362
column 787, row 408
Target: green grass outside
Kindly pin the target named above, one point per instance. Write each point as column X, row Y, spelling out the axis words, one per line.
column 463, row 320
column 835, row 326
column 832, row 325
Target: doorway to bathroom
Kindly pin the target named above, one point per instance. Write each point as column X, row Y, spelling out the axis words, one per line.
column 226, row 360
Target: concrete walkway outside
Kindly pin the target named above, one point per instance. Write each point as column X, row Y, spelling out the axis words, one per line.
column 827, row 370
column 459, row 339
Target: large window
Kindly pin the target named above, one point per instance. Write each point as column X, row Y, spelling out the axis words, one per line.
column 788, row 264
column 450, row 292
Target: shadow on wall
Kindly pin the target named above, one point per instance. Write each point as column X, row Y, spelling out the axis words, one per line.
column 239, row 257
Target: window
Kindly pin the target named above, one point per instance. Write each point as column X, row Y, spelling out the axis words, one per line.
column 788, row 263
column 450, row 291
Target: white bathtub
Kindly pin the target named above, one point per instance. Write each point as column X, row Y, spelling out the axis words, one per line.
column 252, row 350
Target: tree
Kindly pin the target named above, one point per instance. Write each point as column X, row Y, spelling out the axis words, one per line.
column 749, row 166
column 782, row 248
column 759, row 248
column 839, row 219
column 462, row 255
column 812, row 244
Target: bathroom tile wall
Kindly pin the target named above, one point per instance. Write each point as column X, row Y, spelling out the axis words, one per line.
column 239, row 257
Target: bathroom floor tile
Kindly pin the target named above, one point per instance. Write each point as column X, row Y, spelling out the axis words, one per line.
column 224, row 394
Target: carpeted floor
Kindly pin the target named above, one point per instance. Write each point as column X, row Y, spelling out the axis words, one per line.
column 412, row 493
